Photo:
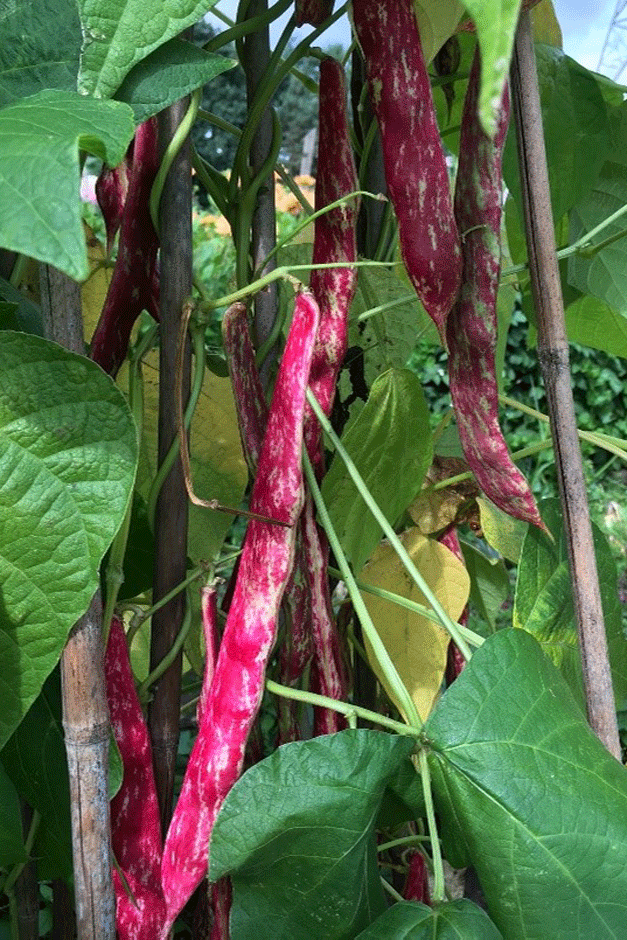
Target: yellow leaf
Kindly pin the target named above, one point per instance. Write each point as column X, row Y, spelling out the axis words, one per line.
column 502, row 532
column 437, row 21
column 545, row 25
column 94, row 290
column 417, row 646
column 218, row 467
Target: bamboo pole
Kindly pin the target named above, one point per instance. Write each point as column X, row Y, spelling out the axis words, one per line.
column 171, row 518
column 85, row 712
column 554, row 361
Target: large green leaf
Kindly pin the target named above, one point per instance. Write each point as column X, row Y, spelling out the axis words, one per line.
column 40, row 137
column 604, row 275
column 40, row 42
column 576, row 130
column 389, row 440
column 117, row 34
column 544, row 601
column 12, row 850
column 167, row 75
column 526, row 792
column 296, row 834
column 593, row 323
column 496, row 22
column 67, row 463
column 455, row 920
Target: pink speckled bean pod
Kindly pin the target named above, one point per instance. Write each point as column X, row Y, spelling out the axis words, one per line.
column 472, row 325
column 135, row 821
column 236, row 690
column 415, row 165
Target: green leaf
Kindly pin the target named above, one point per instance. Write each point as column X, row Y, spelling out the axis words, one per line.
column 296, row 834
column 117, row 34
column 489, row 583
column 167, row 75
column 387, row 338
column 35, row 760
column 496, row 22
column 390, row 439
column 40, row 207
column 12, row 851
column 40, row 42
column 604, row 274
column 403, row 799
column 528, row 794
column 576, row 130
column 27, row 314
column 67, row 464
column 593, row 323
column 410, row 920
column 544, row 601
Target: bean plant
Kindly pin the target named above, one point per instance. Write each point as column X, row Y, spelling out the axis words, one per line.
column 289, row 649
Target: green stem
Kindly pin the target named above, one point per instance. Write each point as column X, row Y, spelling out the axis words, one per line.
column 406, row 840
column 382, row 657
column 16, row 871
column 343, row 708
column 392, row 891
column 614, row 445
column 207, row 176
column 198, row 340
column 284, row 272
column 140, row 617
column 239, row 30
column 265, row 91
column 449, row 625
column 287, row 180
column 217, row 121
column 311, row 218
column 167, row 660
column 416, row 608
column 169, row 156
column 438, row 894
column 582, row 246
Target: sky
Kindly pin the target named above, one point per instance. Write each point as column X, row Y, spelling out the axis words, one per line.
column 584, row 26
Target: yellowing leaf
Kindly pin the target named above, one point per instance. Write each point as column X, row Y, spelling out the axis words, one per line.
column 94, row 290
column 416, row 645
column 437, row 21
column 218, row 467
column 502, row 532
column 546, row 28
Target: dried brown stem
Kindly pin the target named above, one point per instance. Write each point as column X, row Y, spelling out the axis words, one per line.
column 171, row 518
column 554, row 360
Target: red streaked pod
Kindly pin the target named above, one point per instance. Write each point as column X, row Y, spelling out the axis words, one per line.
column 252, row 415
column 209, row 613
column 111, row 190
column 472, row 326
column 135, row 820
column 220, row 901
column 314, row 12
column 132, row 287
column 415, row 165
column 250, row 401
column 417, row 881
column 327, row 673
column 334, row 240
column 237, row 688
